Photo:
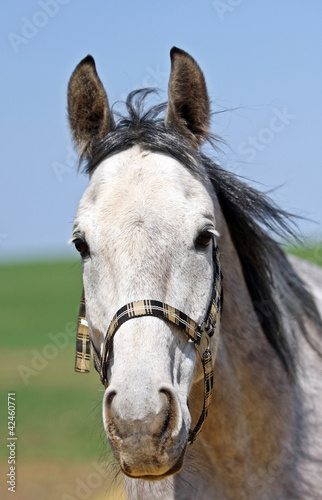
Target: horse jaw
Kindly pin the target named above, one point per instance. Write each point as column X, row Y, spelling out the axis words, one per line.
column 141, row 215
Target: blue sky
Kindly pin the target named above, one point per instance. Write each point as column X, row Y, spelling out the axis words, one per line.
column 262, row 61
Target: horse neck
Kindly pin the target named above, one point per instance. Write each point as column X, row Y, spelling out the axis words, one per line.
column 253, row 419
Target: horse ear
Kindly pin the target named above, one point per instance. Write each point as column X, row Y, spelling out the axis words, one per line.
column 188, row 109
column 89, row 114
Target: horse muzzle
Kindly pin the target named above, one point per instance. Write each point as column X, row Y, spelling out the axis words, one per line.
column 148, row 438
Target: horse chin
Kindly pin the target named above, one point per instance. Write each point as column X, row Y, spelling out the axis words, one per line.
column 156, row 477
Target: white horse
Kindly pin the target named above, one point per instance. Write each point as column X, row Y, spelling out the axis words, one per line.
column 145, row 228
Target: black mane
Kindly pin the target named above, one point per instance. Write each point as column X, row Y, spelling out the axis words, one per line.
column 275, row 289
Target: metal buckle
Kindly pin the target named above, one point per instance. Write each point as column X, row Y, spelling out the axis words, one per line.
column 204, row 343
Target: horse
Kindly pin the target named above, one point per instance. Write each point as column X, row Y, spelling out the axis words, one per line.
column 190, row 304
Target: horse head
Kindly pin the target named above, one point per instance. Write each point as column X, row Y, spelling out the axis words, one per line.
column 145, row 229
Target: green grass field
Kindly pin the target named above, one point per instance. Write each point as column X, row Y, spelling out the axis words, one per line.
column 58, row 411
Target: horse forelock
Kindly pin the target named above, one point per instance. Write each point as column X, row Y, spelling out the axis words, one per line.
column 147, row 129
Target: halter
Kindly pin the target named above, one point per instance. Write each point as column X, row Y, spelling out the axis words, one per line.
column 199, row 334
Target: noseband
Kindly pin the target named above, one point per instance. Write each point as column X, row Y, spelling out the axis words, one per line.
column 199, row 334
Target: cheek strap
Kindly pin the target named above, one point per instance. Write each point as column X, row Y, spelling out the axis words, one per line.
column 83, row 352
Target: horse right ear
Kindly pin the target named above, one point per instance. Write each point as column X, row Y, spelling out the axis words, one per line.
column 188, row 108
column 89, row 113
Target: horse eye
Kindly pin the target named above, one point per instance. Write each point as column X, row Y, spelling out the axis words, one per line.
column 81, row 246
column 204, row 239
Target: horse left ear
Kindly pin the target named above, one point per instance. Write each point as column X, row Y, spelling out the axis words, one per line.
column 89, row 114
column 188, row 109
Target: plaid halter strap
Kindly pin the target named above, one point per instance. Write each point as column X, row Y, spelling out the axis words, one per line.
column 199, row 334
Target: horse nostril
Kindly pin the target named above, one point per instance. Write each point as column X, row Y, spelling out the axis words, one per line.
column 168, row 394
column 172, row 413
column 109, row 397
column 110, row 424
